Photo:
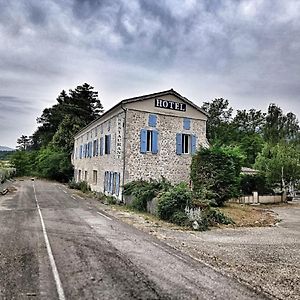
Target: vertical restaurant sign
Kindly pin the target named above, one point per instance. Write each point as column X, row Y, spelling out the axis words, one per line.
column 166, row 104
column 119, row 136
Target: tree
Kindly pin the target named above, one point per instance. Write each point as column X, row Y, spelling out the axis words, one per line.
column 54, row 164
column 249, row 122
column 24, row 162
column 280, row 127
column 64, row 136
column 280, row 163
column 23, row 142
column 82, row 106
column 215, row 174
column 250, row 145
column 52, row 142
column 218, row 123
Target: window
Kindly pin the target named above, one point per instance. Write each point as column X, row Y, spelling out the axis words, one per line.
column 79, row 175
column 112, row 182
column 149, row 141
column 95, row 148
column 95, row 173
column 107, row 142
column 101, row 146
column 85, row 175
column 185, row 143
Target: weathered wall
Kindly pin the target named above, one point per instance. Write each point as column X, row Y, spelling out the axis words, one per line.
column 166, row 162
column 112, row 162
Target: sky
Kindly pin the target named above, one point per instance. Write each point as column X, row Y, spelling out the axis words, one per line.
column 245, row 51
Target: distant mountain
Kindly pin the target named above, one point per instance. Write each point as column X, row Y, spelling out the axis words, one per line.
column 4, row 148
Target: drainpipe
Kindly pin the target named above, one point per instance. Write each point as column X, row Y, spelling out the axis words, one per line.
column 124, row 145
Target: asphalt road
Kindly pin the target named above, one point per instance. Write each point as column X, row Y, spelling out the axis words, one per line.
column 54, row 245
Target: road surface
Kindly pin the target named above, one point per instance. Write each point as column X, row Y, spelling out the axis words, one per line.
column 55, row 245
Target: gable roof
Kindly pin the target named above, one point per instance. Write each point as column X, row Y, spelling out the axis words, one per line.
column 163, row 93
column 145, row 97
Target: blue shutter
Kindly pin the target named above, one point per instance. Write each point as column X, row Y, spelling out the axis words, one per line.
column 91, row 149
column 152, row 120
column 117, row 178
column 178, row 143
column 143, row 141
column 101, row 146
column 154, row 141
column 105, row 181
column 80, row 152
column 186, row 124
column 110, row 182
column 193, row 144
column 97, row 147
column 108, row 143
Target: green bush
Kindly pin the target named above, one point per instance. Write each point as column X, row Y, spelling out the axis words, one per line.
column 143, row 191
column 180, row 218
column 215, row 174
column 81, row 185
column 173, row 201
column 72, row 184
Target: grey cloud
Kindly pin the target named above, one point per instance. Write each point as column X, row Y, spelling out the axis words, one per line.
column 244, row 49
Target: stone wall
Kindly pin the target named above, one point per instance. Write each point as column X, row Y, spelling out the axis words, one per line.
column 166, row 162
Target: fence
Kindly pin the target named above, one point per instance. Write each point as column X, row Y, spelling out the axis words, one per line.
column 255, row 198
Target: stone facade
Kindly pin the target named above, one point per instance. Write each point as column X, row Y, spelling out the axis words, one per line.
column 166, row 162
column 127, row 161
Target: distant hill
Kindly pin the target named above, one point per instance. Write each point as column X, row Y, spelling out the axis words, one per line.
column 4, row 148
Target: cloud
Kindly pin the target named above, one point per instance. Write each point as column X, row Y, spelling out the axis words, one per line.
column 240, row 50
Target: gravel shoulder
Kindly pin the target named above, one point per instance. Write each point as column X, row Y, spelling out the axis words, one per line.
column 266, row 258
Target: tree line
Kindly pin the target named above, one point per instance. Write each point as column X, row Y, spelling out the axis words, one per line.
column 268, row 141
column 47, row 152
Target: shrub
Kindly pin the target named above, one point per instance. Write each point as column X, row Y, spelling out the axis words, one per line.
column 180, row 218
column 215, row 174
column 72, row 184
column 81, row 185
column 143, row 191
column 209, row 216
column 173, row 201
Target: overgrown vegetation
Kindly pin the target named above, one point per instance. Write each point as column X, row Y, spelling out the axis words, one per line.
column 143, row 191
column 175, row 204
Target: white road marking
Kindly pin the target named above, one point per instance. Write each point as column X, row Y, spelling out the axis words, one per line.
column 99, row 213
column 59, row 288
column 64, row 191
column 73, row 197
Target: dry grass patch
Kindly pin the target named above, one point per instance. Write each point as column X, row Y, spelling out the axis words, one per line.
column 249, row 216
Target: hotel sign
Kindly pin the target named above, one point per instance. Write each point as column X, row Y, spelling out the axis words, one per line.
column 170, row 105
